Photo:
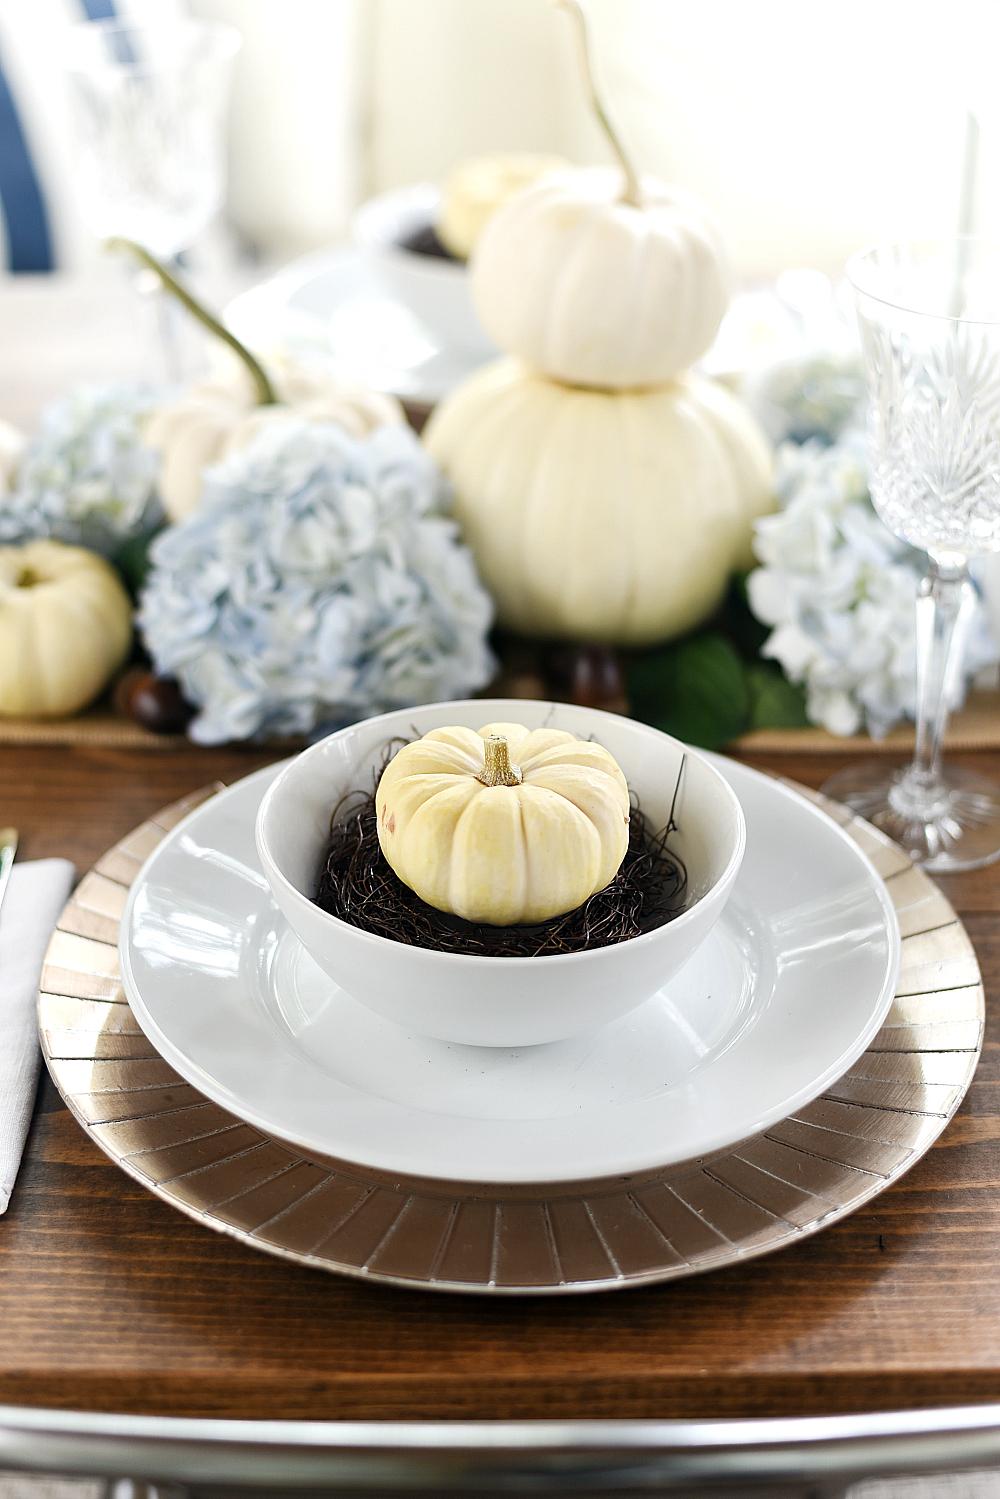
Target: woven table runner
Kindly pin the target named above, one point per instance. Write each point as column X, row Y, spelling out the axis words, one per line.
column 976, row 726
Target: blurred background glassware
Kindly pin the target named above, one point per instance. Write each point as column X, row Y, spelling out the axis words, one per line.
column 148, row 108
column 929, row 315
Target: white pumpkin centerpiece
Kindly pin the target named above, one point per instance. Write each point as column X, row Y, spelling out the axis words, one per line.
column 606, row 494
column 224, row 413
column 503, row 825
column 598, row 286
column 597, row 277
column 616, row 518
column 65, row 628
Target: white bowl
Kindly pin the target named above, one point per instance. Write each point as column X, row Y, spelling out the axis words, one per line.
column 500, row 1001
column 435, row 290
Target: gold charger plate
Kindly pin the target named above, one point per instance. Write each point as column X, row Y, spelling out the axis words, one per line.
column 794, row 1179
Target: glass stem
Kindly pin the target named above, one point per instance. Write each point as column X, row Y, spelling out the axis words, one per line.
column 945, row 600
column 171, row 333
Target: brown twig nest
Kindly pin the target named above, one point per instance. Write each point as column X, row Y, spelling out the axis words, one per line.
column 359, row 886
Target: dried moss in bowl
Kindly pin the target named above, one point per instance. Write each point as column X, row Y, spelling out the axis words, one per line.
column 358, row 886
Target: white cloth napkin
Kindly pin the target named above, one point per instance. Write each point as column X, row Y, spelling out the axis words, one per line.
column 35, row 896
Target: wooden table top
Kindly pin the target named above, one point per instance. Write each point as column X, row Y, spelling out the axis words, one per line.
column 111, row 1300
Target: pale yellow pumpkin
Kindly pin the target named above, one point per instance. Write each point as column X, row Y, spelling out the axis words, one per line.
column 219, row 416
column 592, row 516
column 65, row 628
column 503, row 825
column 478, row 187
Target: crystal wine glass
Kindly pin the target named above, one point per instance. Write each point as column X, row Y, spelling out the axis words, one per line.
column 929, row 314
column 148, row 106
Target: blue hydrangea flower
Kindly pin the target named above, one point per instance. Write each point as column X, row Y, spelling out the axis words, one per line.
column 320, row 581
column 86, row 478
column 818, row 394
column 839, row 589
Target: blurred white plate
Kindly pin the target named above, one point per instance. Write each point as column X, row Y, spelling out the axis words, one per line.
column 787, row 991
column 350, row 312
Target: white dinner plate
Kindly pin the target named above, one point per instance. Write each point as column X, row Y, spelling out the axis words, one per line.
column 339, row 311
column 785, row 994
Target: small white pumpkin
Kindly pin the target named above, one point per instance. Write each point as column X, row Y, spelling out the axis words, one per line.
column 599, row 278
column 481, row 185
column 65, row 628
column 219, row 416
column 614, row 518
column 595, row 290
column 503, row 825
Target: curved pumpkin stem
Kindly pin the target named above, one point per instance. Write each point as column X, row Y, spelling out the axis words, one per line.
column 633, row 191
column 265, row 390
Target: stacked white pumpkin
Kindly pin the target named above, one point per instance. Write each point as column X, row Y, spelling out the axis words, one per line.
column 607, row 493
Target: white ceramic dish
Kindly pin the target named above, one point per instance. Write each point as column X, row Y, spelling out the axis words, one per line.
column 341, row 311
column 476, row 1001
column 786, row 992
column 436, row 290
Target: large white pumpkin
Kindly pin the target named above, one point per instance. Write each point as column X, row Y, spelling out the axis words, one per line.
column 597, row 291
column 65, row 628
column 611, row 518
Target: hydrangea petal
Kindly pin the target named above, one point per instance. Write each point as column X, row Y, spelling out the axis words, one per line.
column 839, row 590
column 86, row 477
column 319, row 582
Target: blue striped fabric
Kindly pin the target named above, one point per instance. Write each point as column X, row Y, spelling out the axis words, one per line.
column 29, row 237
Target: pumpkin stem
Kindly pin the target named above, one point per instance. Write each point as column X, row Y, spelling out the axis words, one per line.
column 27, row 578
column 498, row 770
column 633, row 191
column 265, row 390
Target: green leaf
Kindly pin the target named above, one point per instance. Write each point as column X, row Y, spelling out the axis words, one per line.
column 737, row 620
column 132, row 562
column 775, row 702
column 696, row 689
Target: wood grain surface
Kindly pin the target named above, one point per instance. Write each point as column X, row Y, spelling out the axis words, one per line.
column 110, row 1300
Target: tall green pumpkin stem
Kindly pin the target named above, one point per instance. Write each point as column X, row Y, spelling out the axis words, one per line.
column 265, row 390
column 633, row 191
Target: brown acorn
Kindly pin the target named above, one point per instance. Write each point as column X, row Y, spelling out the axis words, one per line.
column 155, row 702
column 589, row 675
